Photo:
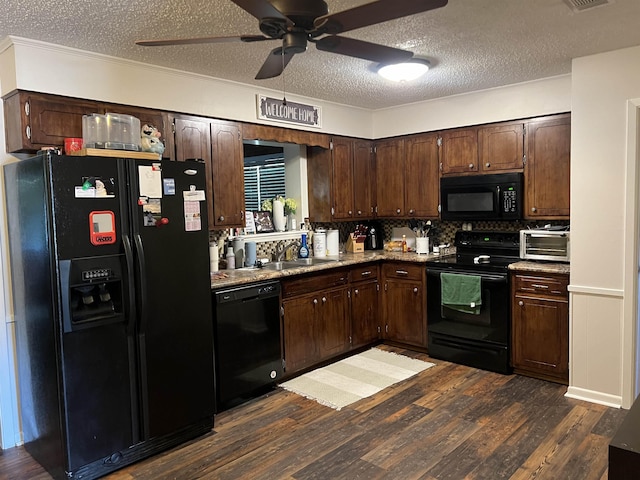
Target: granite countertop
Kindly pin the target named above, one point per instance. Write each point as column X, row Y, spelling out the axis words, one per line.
column 245, row 276
column 540, row 267
column 242, row 276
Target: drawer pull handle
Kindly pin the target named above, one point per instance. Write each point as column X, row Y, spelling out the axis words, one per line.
column 537, row 285
column 364, row 274
column 402, row 272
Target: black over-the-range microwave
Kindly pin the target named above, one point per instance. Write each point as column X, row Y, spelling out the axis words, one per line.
column 482, row 197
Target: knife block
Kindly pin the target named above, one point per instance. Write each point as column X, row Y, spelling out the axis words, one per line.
column 354, row 246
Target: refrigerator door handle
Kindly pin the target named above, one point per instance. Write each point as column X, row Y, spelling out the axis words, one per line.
column 142, row 303
column 131, row 300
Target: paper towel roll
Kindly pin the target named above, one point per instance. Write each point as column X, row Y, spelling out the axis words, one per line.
column 213, row 258
column 320, row 243
column 333, row 242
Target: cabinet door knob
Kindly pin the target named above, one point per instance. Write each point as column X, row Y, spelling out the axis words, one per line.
column 533, row 209
column 359, row 212
column 356, row 291
column 315, row 301
column 487, row 164
column 521, row 303
column 350, row 213
column 411, row 211
column 415, row 289
column 471, row 165
column 398, row 211
column 221, row 218
column 324, row 299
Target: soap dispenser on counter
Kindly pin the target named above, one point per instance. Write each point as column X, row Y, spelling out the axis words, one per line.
column 304, row 249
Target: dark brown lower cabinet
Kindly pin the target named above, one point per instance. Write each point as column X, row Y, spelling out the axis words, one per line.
column 540, row 326
column 404, row 302
column 365, row 316
column 315, row 319
column 299, row 332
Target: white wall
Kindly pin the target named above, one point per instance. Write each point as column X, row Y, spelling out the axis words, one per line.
column 47, row 68
column 604, row 213
column 9, row 425
column 522, row 100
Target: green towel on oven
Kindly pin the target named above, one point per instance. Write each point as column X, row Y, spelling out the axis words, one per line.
column 461, row 292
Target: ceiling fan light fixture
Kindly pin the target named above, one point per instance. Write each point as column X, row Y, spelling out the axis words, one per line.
column 405, row 71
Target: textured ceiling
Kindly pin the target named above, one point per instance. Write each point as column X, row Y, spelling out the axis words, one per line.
column 472, row 44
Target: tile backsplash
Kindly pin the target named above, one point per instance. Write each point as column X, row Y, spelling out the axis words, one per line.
column 441, row 231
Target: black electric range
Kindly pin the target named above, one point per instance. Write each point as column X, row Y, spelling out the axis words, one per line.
column 481, row 251
column 480, row 338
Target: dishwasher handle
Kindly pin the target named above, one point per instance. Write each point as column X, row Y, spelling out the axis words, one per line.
column 248, row 293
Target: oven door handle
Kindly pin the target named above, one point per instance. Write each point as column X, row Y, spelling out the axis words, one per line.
column 484, row 276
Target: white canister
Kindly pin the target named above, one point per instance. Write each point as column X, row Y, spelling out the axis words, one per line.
column 320, row 243
column 422, row 244
column 238, row 249
column 333, row 244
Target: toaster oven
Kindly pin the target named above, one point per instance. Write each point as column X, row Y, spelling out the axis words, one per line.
column 551, row 245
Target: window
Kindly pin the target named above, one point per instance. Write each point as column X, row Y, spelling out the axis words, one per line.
column 264, row 177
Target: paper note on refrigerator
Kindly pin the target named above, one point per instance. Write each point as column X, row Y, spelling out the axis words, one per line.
column 192, row 218
column 150, row 181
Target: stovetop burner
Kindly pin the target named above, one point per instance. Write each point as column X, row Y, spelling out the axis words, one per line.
column 483, row 251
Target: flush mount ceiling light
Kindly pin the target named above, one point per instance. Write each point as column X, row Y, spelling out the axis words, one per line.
column 406, row 71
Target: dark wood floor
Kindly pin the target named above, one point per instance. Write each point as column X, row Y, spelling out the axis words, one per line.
column 448, row 422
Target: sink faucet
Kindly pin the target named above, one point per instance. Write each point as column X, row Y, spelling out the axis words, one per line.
column 282, row 247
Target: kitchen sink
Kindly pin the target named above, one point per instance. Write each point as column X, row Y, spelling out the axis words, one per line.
column 297, row 263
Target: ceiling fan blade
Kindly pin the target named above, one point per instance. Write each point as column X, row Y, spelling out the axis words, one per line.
column 275, row 64
column 261, row 9
column 195, row 41
column 372, row 13
column 361, row 49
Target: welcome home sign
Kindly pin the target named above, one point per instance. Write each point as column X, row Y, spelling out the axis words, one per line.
column 290, row 112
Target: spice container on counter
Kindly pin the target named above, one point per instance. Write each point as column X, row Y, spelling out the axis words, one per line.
column 404, row 244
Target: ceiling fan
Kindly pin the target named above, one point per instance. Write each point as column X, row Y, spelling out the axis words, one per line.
column 297, row 22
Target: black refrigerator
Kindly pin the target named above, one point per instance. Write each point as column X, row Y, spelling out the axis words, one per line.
column 112, row 305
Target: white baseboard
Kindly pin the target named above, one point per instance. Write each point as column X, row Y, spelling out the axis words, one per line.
column 594, row 397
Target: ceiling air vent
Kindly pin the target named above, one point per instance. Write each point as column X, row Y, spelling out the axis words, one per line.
column 582, row 5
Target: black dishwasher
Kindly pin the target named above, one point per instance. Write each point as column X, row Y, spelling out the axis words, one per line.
column 247, row 342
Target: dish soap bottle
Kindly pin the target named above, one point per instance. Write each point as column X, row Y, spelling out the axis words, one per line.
column 404, row 244
column 304, row 250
